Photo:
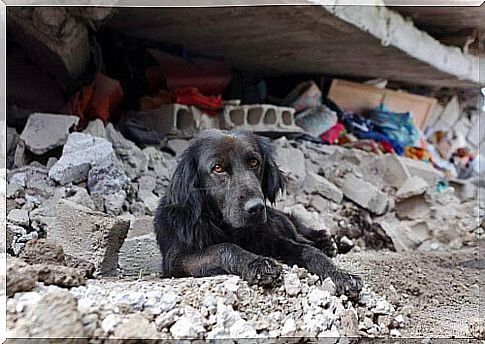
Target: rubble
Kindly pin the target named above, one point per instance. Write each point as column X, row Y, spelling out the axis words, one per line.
column 19, row 217
column 413, row 186
column 315, row 183
column 90, row 235
column 55, row 315
column 139, row 252
column 132, row 157
column 45, row 132
column 364, row 194
column 81, row 152
column 95, row 128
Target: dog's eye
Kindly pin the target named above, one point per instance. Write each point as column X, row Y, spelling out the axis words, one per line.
column 218, row 168
column 253, row 163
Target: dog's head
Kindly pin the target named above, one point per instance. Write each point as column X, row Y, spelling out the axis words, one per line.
column 229, row 175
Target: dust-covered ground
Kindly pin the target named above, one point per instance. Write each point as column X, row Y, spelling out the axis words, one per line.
column 437, row 292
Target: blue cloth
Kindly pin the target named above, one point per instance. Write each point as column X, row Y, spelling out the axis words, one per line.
column 398, row 126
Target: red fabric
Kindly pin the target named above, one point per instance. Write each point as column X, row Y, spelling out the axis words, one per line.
column 98, row 100
column 386, row 147
column 332, row 134
column 192, row 96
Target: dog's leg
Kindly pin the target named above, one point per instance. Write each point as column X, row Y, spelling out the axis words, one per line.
column 316, row 262
column 226, row 258
column 320, row 239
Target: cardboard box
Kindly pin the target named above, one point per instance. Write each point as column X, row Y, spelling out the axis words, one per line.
column 361, row 98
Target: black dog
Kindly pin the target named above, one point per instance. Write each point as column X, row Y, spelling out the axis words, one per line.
column 213, row 218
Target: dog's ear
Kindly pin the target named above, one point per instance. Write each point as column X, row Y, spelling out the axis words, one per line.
column 273, row 179
column 184, row 189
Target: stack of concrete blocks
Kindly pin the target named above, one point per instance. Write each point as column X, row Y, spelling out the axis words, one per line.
column 185, row 121
column 260, row 118
column 179, row 120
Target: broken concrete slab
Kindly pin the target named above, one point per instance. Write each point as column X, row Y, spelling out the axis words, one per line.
column 45, row 132
column 132, row 157
column 423, row 170
column 19, row 217
column 95, row 128
column 140, row 253
column 89, row 235
column 20, row 276
column 80, row 153
column 111, row 183
column 316, row 184
column 178, row 145
column 55, row 315
column 291, row 161
column 364, row 194
column 414, row 186
column 400, row 235
column 43, row 251
column 413, row 208
column 396, row 172
column 449, row 116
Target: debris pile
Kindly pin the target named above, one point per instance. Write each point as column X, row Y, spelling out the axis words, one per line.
column 90, row 213
column 301, row 306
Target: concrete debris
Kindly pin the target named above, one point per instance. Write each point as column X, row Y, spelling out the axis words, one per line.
column 80, row 154
column 136, row 326
column 89, row 235
column 427, row 172
column 291, row 161
column 139, row 253
column 315, row 183
column 364, row 194
column 111, row 183
column 414, row 186
column 129, row 154
column 178, row 145
column 55, row 315
column 43, row 251
column 44, row 132
column 19, row 217
column 20, row 276
column 95, row 128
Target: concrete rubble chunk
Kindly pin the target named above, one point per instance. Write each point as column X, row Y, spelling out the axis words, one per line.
column 401, row 236
column 178, row 145
column 89, row 235
column 412, row 208
column 20, row 276
column 396, row 172
column 95, row 128
column 43, row 251
column 59, row 275
column 320, row 185
column 291, row 161
column 132, row 157
column 364, row 194
column 19, row 217
column 136, row 326
column 111, row 183
column 449, row 116
column 414, row 186
column 423, row 170
column 80, row 153
column 44, row 132
column 140, row 252
column 55, row 315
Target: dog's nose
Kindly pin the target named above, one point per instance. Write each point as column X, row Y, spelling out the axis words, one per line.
column 254, row 205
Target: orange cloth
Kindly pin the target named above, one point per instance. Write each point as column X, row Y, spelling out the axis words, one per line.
column 98, row 100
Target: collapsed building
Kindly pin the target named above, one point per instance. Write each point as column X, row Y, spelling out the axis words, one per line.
column 376, row 124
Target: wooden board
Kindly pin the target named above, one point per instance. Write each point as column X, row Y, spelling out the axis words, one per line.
column 361, row 98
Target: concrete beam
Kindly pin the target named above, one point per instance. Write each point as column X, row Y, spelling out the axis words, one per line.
column 346, row 41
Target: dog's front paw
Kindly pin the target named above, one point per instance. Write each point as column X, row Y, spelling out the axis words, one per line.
column 323, row 241
column 348, row 284
column 262, row 271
